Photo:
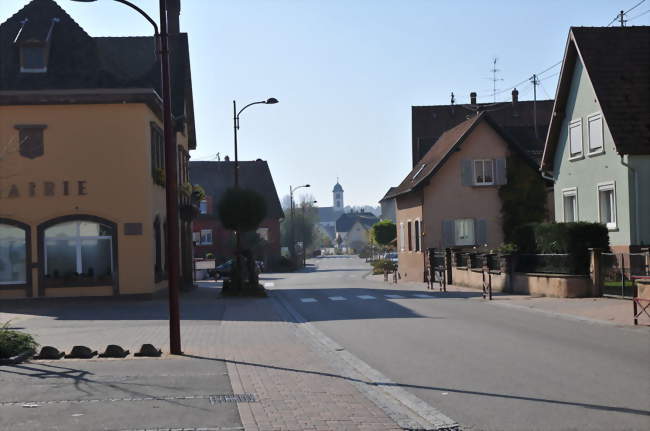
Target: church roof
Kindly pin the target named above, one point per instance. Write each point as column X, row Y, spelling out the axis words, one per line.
column 328, row 214
column 337, row 187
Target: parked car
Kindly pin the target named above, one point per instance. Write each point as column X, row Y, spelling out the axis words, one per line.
column 224, row 270
column 392, row 256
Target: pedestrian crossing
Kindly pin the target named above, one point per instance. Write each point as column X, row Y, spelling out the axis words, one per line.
column 368, row 297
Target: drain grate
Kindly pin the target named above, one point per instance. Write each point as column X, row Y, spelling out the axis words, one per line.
column 213, row 399
column 232, row 398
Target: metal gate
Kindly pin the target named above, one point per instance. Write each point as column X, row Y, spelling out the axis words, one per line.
column 436, row 269
column 618, row 272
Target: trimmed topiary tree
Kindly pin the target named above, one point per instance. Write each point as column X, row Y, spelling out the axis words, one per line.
column 241, row 209
column 384, row 232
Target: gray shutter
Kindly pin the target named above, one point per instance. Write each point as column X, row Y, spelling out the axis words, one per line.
column 501, row 175
column 448, row 233
column 466, row 177
column 481, row 232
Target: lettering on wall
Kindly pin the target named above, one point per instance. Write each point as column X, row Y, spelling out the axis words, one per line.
column 44, row 189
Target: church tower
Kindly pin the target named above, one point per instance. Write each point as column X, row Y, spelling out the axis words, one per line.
column 338, row 197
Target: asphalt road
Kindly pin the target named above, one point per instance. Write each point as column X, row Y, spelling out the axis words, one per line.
column 489, row 367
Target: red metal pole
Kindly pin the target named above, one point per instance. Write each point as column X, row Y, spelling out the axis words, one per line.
column 171, row 190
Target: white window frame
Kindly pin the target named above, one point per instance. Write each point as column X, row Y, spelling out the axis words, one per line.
column 401, row 236
column 483, row 183
column 570, row 191
column 606, row 186
column 78, row 239
column 581, row 154
column 203, row 206
column 211, row 239
column 590, row 118
column 473, row 229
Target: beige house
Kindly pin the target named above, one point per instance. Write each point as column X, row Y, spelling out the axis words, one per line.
column 451, row 197
column 354, row 229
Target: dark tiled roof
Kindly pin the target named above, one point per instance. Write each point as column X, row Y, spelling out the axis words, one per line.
column 515, row 119
column 436, row 156
column 347, row 220
column 617, row 61
column 78, row 61
column 216, row 177
column 327, row 214
column 388, row 194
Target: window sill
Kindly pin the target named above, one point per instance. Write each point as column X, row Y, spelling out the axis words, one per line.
column 612, row 228
column 484, row 185
column 576, row 157
column 596, row 153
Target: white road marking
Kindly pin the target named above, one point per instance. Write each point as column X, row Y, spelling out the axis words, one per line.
column 337, row 298
column 269, row 284
column 365, row 297
column 308, row 300
column 394, row 296
column 419, row 295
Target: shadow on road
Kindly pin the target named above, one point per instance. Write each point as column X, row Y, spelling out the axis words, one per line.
column 438, row 388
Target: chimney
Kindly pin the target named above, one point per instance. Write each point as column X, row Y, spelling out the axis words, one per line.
column 173, row 16
column 515, row 96
column 472, row 98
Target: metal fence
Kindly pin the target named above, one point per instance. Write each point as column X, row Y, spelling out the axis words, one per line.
column 618, row 271
column 560, row 263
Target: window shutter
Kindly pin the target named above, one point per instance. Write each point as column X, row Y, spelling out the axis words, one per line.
column 481, row 232
column 501, row 174
column 448, row 233
column 466, row 172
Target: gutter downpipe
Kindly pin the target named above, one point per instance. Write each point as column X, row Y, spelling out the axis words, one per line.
column 636, row 199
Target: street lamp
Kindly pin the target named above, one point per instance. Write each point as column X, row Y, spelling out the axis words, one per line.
column 304, row 232
column 293, row 221
column 171, row 173
column 235, row 119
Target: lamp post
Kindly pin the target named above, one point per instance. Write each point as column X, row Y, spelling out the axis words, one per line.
column 235, row 119
column 293, row 221
column 304, row 233
column 171, row 173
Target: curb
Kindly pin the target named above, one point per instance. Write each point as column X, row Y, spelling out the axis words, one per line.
column 14, row 360
column 407, row 410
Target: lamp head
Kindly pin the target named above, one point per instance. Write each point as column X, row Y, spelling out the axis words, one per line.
column 85, row 1
column 271, row 101
column 307, row 185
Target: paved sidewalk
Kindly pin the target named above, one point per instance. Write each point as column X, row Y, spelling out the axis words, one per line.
column 612, row 310
column 294, row 386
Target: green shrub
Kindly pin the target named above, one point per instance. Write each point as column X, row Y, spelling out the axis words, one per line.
column 379, row 266
column 574, row 239
column 13, row 343
column 384, row 232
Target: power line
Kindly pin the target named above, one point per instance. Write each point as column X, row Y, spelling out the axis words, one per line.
column 636, row 16
column 633, row 7
column 621, row 15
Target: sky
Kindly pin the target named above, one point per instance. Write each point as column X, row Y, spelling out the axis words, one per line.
column 346, row 73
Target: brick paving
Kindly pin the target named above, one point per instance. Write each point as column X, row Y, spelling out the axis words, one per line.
column 294, row 385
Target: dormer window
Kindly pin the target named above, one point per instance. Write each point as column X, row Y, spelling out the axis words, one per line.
column 33, row 58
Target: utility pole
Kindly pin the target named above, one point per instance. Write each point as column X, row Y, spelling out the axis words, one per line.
column 535, row 82
column 621, row 18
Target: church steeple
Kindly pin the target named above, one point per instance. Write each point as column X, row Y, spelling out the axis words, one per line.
column 337, row 193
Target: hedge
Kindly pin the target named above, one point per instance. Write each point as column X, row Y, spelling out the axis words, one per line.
column 574, row 239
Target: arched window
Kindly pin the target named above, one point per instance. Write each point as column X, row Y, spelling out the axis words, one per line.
column 79, row 250
column 13, row 254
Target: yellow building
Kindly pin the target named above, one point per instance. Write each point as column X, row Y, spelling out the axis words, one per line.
column 82, row 198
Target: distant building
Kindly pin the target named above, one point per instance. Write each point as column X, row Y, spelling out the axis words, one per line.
column 354, row 229
column 389, row 206
column 216, row 177
column 327, row 216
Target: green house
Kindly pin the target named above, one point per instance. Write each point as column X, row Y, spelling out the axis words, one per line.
column 598, row 144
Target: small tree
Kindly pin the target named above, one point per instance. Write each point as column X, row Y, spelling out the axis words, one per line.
column 384, row 232
column 241, row 210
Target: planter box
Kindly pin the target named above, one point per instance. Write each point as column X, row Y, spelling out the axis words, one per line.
column 17, row 359
column 552, row 285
